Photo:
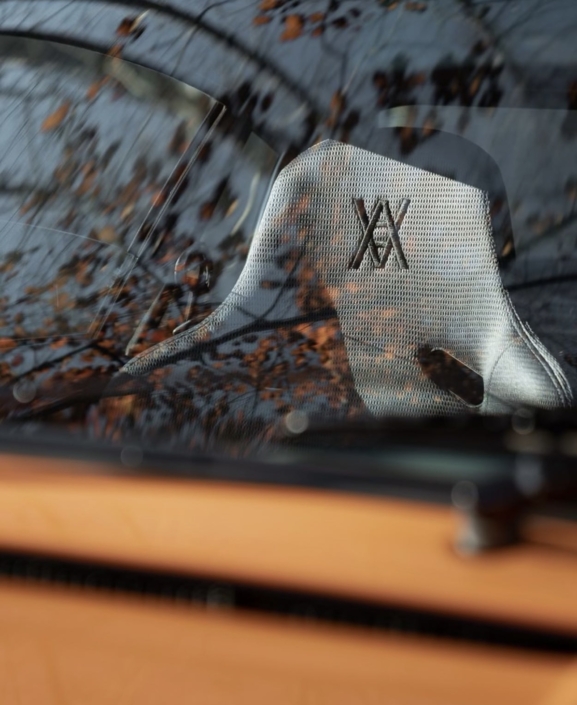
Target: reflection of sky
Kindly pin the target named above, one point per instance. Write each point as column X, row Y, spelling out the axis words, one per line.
column 29, row 156
column 113, row 132
column 347, row 60
column 42, row 289
column 248, row 169
column 534, row 158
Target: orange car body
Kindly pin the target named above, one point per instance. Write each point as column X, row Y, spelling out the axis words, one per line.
column 73, row 644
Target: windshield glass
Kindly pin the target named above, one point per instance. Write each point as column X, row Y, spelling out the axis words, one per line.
column 219, row 231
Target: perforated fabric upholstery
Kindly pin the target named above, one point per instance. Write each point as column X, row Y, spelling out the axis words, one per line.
column 449, row 296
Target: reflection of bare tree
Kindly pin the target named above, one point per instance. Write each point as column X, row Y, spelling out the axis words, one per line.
column 360, row 67
column 99, row 194
column 235, row 383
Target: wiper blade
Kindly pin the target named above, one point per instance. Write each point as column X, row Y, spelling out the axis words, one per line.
column 504, row 467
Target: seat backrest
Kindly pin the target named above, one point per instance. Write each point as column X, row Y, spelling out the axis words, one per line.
column 402, row 263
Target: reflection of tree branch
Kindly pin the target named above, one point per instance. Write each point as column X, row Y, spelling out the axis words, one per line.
column 490, row 36
column 46, row 365
column 321, row 314
column 545, row 281
column 554, row 230
column 105, row 351
column 91, row 393
column 195, row 20
column 284, row 286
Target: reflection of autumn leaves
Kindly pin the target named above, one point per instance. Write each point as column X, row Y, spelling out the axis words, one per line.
column 471, row 81
column 132, row 26
column 63, row 367
column 243, row 391
column 293, row 27
column 241, row 385
column 85, row 196
column 56, row 368
column 82, row 177
column 395, row 86
column 83, row 173
column 56, row 118
column 297, row 18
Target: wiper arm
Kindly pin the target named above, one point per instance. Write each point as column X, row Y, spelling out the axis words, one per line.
column 493, row 511
column 526, row 461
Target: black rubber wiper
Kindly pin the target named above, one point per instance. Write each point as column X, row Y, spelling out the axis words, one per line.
column 502, row 467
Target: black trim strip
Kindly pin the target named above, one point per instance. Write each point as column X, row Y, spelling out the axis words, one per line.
column 241, row 596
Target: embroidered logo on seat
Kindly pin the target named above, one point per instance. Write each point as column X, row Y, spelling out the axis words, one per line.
column 380, row 218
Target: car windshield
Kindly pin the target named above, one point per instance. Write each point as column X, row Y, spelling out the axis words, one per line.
column 264, row 225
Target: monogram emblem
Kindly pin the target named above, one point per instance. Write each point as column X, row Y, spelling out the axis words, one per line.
column 380, row 218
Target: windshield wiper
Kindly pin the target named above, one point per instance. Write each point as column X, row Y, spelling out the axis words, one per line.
column 502, row 467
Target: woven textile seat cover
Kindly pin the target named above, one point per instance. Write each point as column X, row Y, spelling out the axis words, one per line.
column 424, row 274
